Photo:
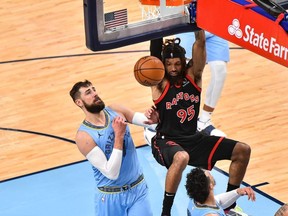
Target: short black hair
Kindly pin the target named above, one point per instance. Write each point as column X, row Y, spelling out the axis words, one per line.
column 197, row 185
column 172, row 49
column 74, row 92
column 282, row 210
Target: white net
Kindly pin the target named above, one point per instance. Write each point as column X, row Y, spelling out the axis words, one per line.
column 152, row 9
column 149, row 11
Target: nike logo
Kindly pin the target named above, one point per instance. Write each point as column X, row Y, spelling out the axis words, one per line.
column 169, row 195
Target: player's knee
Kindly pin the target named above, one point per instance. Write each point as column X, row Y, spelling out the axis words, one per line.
column 241, row 152
column 181, row 159
column 218, row 69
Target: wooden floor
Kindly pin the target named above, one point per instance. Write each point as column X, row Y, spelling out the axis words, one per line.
column 35, row 94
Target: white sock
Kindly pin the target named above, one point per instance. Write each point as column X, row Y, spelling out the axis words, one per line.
column 205, row 116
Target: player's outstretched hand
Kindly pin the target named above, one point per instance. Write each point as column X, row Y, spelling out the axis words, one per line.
column 247, row 191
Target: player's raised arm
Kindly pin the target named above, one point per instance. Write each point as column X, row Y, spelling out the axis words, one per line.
column 197, row 65
column 148, row 119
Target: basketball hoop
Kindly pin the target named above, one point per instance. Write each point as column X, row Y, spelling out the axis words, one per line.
column 106, row 29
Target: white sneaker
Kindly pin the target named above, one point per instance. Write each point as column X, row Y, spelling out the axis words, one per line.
column 148, row 135
column 237, row 211
column 209, row 129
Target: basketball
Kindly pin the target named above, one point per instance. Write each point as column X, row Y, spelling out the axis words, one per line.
column 149, row 71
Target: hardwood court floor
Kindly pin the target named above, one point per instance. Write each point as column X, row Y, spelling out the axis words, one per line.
column 34, row 94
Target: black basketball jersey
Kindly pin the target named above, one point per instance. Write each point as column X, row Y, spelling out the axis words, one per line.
column 178, row 108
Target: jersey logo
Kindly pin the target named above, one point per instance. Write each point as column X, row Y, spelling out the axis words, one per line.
column 171, row 143
column 99, row 135
column 185, row 82
column 181, row 96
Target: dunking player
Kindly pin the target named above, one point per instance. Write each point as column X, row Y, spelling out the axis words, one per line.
column 177, row 103
column 218, row 55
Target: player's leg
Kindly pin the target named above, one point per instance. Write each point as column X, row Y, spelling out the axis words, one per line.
column 218, row 71
column 148, row 135
column 217, row 57
column 239, row 156
column 239, row 162
column 107, row 204
column 173, row 178
column 171, row 155
column 138, row 196
column 218, row 75
column 207, row 150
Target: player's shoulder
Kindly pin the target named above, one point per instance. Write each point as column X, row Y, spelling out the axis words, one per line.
column 115, row 108
column 81, row 135
column 121, row 110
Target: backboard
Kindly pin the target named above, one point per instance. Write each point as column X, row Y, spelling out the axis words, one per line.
column 112, row 24
column 273, row 7
column 283, row 3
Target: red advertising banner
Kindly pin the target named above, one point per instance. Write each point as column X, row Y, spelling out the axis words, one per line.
column 245, row 27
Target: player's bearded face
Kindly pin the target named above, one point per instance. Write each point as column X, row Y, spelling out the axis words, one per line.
column 173, row 68
column 96, row 106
